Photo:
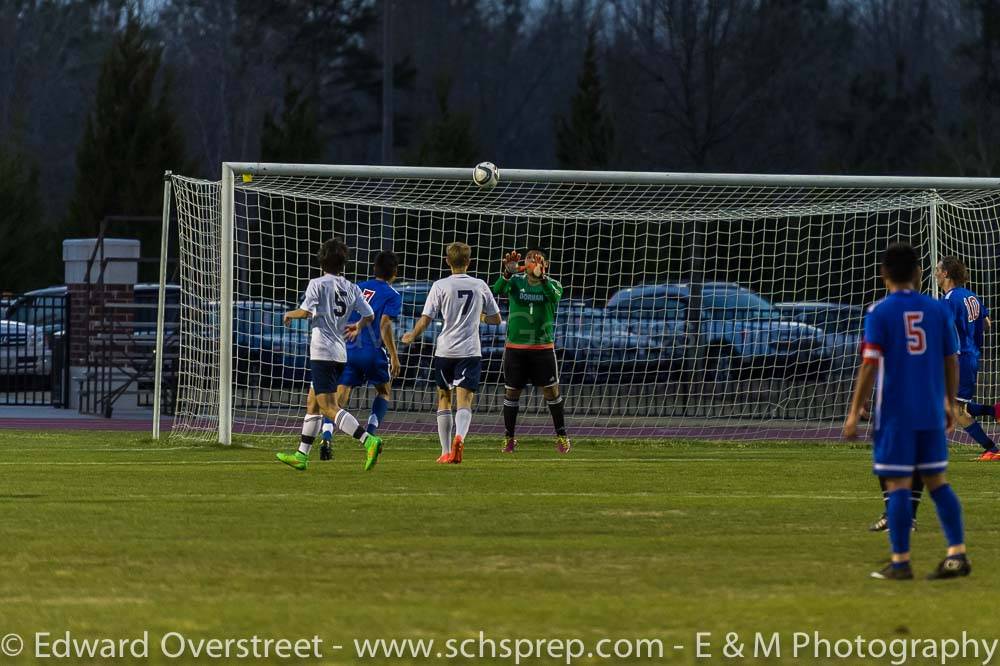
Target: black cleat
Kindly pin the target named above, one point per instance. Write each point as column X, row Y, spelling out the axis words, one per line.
column 889, row 572
column 951, row 567
column 882, row 524
column 326, row 451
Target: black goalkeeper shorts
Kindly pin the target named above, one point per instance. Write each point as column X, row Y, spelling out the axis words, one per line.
column 537, row 367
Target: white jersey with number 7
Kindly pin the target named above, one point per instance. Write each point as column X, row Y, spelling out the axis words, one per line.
column 460, row 300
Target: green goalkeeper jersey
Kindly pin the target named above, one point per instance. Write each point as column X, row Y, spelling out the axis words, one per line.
column 532, row 320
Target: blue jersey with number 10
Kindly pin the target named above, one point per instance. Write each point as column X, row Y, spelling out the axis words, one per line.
column 970, row 318
column 908, row 335
column 384, row 300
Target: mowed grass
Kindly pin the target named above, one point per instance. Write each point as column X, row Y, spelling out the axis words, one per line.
column 109, row 534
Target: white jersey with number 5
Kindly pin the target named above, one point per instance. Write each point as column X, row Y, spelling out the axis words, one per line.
column 330, row 300
column 460, row 300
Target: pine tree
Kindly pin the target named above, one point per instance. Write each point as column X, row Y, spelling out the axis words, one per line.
column 295, row 137
column 886, row 125
column 976, row 139
column 26, row 259
column 448, row 141
column 129, row 141
column 585, row 140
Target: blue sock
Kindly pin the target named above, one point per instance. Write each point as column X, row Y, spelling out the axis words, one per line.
column 975, row 409
column 327, row 434
column 379, row 407
column 977, row 433
column 900, row 517
column 949, row 513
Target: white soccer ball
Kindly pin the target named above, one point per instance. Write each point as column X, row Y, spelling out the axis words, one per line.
column 486, row 175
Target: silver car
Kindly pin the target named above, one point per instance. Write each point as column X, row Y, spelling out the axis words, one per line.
column 24, row 350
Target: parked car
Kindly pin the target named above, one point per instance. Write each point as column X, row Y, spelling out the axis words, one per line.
column 842, row 325
column 740, row 333
column 44, row 308
column 415, row 359
column 595, row 348
column 267, row 353
column 47, row 308
column 25, row 355
column 147, row 303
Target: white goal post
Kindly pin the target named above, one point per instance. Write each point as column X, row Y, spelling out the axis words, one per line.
column 695, row 305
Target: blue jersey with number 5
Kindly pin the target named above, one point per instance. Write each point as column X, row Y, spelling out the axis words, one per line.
column 970, row 318
column 908, row 335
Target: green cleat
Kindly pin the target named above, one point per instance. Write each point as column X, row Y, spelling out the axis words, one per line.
column 373, row 447
column 298, row 460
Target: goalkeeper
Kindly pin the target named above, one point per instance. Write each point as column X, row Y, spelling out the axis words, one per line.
column 529, row 355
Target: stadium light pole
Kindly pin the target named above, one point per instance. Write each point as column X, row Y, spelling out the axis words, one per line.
column 387, row 76
column 387, row 112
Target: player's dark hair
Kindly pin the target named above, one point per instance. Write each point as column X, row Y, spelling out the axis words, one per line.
column 955, row 269
column 386, row 265
column 333, row 256
column 900, row 262
column 539, row 250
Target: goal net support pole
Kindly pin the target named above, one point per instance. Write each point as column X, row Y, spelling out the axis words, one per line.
column 161, row 304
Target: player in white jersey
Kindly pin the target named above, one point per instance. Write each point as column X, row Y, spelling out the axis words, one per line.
column 328, row 303
column 463, row 302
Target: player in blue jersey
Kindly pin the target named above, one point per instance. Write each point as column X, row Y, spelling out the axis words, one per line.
column 972, row 320
column 910, row 357
column 372, row 358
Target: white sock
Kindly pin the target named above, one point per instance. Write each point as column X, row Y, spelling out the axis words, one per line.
column 463, row 419
column 347, row 423
column 310, row 428
column 328, row 431
column 445, row 424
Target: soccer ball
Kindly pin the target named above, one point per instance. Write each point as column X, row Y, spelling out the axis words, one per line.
column 486, row 175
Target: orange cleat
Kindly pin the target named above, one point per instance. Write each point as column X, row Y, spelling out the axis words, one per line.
column 457, row 447
column 989, row 456
column 444, row 459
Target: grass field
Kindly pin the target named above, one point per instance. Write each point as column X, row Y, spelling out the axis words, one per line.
column 108, row 534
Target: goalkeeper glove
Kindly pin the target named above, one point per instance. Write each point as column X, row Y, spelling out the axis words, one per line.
column 510, row 264
column 536, row 269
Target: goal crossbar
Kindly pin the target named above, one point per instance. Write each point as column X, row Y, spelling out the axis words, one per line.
column 616, row 177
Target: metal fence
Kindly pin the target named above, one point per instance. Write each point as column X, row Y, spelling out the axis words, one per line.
column 34, row 349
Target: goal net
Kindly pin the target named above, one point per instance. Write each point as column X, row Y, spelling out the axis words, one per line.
column 695, row 305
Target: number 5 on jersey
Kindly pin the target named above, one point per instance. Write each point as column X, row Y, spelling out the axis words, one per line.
column 916, row 339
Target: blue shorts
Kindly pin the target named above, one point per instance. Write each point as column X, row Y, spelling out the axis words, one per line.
column 452, row 373
column 325, row 375
column 968, row 368
column 366, row 365
column 900, row 452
